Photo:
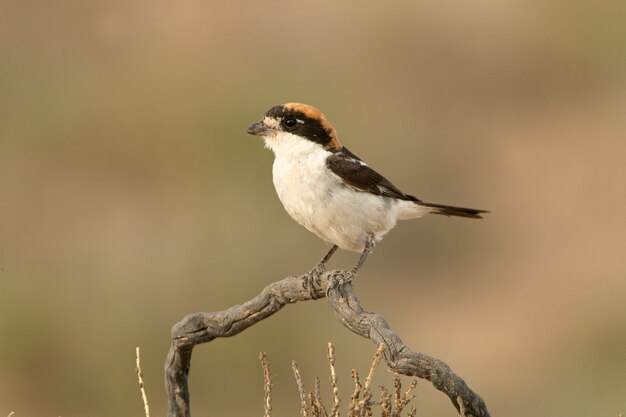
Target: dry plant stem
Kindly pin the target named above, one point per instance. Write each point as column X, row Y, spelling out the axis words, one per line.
column 366, row 402
column 385, row 402
column 375, row 362
column 200, row 328
column 354, row 399
column 318, row 399
column 267, row 385
column 406, row 398
column 142, row 388
column 334, row 412
column 303, row 404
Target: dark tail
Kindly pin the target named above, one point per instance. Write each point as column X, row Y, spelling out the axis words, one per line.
column 454, row 211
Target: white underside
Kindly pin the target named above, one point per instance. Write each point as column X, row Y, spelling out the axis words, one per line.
column 318, row 200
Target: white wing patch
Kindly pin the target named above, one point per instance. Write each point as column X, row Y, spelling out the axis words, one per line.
column 385, row 190
column 356, row 161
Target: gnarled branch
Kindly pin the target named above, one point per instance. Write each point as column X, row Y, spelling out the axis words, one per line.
column 199, row 328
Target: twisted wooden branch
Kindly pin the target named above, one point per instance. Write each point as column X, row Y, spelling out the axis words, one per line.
column 199, row 328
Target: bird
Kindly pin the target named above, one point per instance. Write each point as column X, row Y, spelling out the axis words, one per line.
column 332, row 192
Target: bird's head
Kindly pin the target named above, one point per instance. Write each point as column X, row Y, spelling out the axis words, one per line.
column 289, row 124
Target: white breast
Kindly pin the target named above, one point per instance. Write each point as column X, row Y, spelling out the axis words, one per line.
column 317, row 199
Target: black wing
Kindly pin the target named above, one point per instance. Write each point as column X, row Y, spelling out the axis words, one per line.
column 356, row 174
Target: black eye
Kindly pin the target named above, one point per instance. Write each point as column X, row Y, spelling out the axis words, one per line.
column 290, row 123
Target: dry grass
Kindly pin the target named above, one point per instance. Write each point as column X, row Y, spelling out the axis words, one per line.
column 267, row 385
column 142, row 387
column 392, row 403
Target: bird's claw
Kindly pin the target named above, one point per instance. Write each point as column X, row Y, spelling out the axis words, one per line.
column 311, row 278
column 338, row 279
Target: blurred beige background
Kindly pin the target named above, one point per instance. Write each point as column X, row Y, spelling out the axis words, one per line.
column 130, row 195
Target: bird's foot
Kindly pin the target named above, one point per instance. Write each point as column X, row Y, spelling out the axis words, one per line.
column 338, row 279
column 311, row 278
column 313, row 275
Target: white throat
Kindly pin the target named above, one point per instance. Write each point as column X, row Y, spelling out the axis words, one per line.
column 293, row 147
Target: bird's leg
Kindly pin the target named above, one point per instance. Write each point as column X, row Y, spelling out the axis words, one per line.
column 322, row 263
column 349, row 276
column 369, row 245
column 317, row 270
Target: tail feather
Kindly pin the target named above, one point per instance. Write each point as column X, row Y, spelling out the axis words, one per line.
column 454, row 211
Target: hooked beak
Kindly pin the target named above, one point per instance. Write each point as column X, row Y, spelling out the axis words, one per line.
column 258, row 128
